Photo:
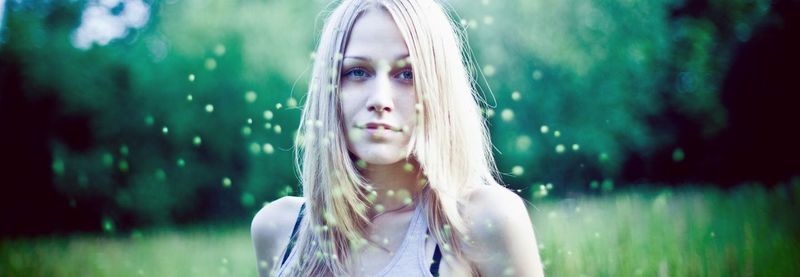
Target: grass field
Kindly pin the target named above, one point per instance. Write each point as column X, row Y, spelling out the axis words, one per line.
column 749, row 231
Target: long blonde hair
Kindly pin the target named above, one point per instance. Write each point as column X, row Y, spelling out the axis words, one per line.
column 451, row 141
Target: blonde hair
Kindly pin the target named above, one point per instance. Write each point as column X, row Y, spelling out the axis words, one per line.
column 451, row 142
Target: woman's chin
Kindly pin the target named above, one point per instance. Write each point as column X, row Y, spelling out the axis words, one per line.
column 382, row 157
column 383, row 160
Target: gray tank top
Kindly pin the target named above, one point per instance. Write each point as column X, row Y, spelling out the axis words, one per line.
column 410, row 259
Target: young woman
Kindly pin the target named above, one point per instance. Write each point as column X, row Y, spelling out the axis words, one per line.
column 397, row 170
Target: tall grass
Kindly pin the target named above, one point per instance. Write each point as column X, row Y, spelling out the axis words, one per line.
column 749, row 231
column 220, row 251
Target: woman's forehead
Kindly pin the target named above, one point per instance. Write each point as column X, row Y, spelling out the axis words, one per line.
column 375, row 36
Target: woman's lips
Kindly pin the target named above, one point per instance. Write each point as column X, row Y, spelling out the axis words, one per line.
column 377, row 127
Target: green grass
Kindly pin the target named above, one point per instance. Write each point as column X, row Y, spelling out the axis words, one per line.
column 749, row 231
column 197, row 252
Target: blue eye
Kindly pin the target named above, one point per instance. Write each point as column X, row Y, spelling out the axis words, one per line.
column 406, row 75
column 356, row 74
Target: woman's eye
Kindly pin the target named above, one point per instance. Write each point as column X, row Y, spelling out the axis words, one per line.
column 406, row 75
column 357, row 74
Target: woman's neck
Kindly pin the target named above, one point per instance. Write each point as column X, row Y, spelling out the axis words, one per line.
column 396, row 184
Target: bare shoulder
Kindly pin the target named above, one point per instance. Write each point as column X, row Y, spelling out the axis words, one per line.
column 271, row 229
column 501, row 233
column 494, row 203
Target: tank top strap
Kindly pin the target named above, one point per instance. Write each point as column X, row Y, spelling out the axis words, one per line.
column 293, row 238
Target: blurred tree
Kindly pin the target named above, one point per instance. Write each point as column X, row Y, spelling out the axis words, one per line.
column 118, row 114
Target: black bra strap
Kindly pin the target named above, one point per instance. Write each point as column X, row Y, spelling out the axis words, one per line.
column 437, row 258
column 293, row 238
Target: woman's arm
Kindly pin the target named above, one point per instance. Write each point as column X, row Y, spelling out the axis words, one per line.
column 504, row 243
column 270, row 231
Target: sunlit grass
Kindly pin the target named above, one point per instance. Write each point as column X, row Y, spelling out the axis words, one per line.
column 197, row 252
column 749, row 231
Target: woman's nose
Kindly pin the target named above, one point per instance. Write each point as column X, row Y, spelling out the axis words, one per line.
column 380, row 100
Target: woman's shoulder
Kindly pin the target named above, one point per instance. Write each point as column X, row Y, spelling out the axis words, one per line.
column 498, row 223
column 279, row 212
column 272, row 227
column 494, row 202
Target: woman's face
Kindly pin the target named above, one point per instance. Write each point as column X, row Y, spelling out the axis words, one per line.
column 377, row 90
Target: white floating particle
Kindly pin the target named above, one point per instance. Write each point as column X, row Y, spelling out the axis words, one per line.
column 488, row 70
column 507, row 115
column 250, row 96
column 517, row 170
column 210, row 64
column 219, row 50
column 268, row 148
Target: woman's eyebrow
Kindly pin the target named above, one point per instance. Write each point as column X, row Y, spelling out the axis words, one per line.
column 399, row 57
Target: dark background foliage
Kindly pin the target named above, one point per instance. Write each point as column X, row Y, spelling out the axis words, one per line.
column 191, row 117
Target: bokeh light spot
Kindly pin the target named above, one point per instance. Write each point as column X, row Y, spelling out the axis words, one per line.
column 523, row 143
column 211, row 64
column 603, row 157
column 489, row 70
column 507, row 115
column 219, row 50
column 123, row 166
column 268, row 148
column 408, row 167
column 247, row 199
column 678, row 155
column 255, row 148
column 250, row 96
column 58, row 166
column 108, row 225
column 537, row 75
column 517, row 170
